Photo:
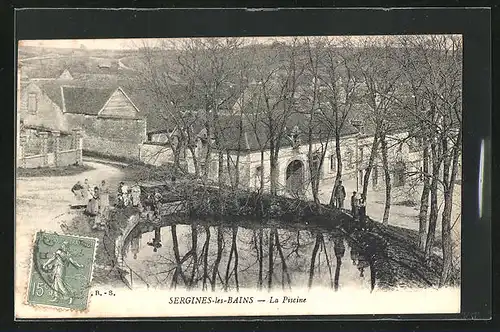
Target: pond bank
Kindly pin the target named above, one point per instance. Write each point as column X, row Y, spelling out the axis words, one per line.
column 395, row 257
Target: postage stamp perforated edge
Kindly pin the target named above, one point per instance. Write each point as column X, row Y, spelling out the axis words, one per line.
column 31, row 267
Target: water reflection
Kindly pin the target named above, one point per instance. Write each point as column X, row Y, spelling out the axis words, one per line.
column 228, row 258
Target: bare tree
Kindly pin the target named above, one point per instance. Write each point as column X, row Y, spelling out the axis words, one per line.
column 338, row 83
column 433, row 73
column 318, row 134
column 381, row 82
column 277, row 74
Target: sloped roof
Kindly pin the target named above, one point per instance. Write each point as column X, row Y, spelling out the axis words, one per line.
column 89, row 101
column 53, row 90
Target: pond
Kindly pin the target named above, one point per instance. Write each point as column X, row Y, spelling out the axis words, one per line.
column 200, row 255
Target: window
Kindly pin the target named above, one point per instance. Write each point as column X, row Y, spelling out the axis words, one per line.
column 361, row 154
column 32, row 103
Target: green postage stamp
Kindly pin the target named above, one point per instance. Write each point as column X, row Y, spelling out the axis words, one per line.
column 61, row 270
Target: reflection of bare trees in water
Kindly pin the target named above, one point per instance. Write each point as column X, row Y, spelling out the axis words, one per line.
column 205, row 257
column 339, row 249
column 215, row 270
column 232, row 253
column 178, row 269
column 284, row 268
column 271, row 262
column 221, row 257
column 317, row 243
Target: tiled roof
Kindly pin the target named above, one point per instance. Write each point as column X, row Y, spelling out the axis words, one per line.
column 89, row 101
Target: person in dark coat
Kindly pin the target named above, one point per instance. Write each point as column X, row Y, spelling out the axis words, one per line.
column 340, row 195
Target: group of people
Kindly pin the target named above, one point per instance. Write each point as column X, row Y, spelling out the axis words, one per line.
column 96, row 201
column 358, row 204
column 128, row 196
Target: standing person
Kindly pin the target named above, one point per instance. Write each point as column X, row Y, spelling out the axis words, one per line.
column 362, row 212
column 354, row 205
column 87, row 190
column 125, row 195
column 340, row 195
column 136, row 195
column 119, row 195
column 93, row 204
column 77, row 190
column 156, row 202
column 104, row 197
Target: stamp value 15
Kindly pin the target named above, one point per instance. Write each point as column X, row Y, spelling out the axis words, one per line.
column 61, row 270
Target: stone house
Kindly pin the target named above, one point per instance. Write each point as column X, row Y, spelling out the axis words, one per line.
column 244, row 149
column 111, row 122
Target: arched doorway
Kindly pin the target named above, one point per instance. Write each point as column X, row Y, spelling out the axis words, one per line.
column 295, row 177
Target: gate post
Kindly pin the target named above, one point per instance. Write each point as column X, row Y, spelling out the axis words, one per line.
column 78, row 145
column 22, row 144
column 45, row 148
column 56, row 134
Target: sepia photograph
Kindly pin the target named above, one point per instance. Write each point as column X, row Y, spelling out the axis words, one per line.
column 316, row 175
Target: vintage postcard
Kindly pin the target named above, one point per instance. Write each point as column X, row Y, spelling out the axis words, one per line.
column 237, row 176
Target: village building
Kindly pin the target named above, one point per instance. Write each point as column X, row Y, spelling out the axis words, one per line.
column 245, row 148
column 111, row 122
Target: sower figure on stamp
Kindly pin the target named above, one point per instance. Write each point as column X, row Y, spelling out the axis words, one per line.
column 340, row 195
column 57, row 265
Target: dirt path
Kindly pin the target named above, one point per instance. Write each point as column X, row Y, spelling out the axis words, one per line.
column 42, row 203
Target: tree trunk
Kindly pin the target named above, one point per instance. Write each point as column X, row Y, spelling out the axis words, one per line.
column 194, row 250
column 424, row 200
column 261, row 189
column 274, row 174
column 196, row 164
column 433, row 214
column 313, row 259
column 271, row 261
column 449, row 183
column 261, row 256
column 387, row 176
column 221, row 168
column 338, row 176
column 178, row 261
column 215, row 271
column 283, row 260
column 205, row 257
column 236, row 259
column 369, row 167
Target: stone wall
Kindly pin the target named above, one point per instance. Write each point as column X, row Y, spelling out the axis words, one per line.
column 113, row 137
column 55, row 157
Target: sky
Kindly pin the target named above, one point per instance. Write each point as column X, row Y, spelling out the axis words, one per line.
column 112, row 44
column 124, row 44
